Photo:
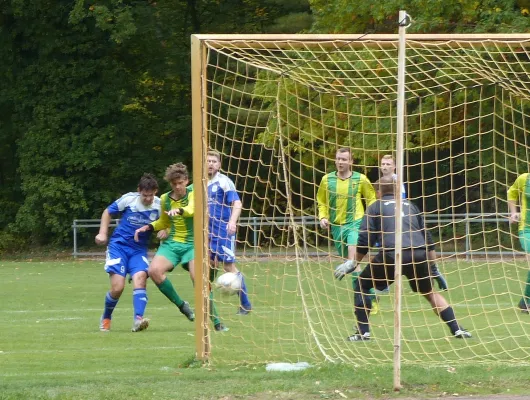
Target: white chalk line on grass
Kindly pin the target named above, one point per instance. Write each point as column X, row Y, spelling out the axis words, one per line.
column 265, row 311
column 91, row 350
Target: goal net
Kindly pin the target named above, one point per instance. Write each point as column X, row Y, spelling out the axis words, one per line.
column 278, row 107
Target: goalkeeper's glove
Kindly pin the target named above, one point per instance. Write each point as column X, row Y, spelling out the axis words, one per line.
column 344, row 269
column 442, row 283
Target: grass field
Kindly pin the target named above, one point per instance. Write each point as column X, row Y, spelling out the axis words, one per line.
column 51, row 348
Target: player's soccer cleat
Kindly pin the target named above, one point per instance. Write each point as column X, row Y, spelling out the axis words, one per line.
column 462, row 334
column 104, row 324
column 375, row 306
column 140, row 324
column 524, row 307
column 221, row 328
column 437, row 275
column 187, row 311
column 357, row 337
column 243, row 311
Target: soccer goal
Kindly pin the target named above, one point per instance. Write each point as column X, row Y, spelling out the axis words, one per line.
column 277, row 108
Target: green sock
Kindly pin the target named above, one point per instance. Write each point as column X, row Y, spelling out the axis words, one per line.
column 354, row 278
column 527, row 289
column 214, row 315
column 169, row 291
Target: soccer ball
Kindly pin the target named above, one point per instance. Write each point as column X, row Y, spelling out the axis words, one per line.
column 228, row 283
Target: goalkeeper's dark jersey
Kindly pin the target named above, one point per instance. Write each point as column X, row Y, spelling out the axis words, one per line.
column 379, row 226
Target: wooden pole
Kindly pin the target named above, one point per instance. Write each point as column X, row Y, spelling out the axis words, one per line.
column 200, row 227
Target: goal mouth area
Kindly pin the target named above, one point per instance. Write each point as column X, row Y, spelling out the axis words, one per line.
column 278, row 107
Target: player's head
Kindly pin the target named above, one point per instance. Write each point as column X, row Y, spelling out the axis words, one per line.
column 213, row 162
column 343, row 159
column 385, row 186
column 178, row 177
column 147, row 187
column 388, row 165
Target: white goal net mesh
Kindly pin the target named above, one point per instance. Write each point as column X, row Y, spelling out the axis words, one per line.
column 277, row 110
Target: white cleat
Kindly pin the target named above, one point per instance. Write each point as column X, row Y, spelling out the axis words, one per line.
column 140, row 324
column 462, row 334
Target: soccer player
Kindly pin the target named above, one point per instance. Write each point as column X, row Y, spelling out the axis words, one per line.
column 520, row 192
column 124, row 254
column 379, row 225
column 224, row 208
column 340, row 206
column 177, row 209
column 388, row 169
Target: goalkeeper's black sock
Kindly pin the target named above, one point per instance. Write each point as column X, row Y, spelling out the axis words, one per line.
column 448, row 316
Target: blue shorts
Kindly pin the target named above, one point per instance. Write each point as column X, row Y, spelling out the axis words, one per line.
column 223, row 249
column 123, row 260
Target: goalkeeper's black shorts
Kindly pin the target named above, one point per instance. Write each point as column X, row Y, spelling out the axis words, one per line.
column 380, row 272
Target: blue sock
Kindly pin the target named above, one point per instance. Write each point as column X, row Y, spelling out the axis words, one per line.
column 139, row 302
column 110, row 304
column 243, row 297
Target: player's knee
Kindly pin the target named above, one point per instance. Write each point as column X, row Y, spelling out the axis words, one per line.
column 156, row 273
column 139, row 280
column 116, row 290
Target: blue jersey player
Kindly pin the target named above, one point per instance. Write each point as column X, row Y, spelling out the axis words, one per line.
column 224, row 208
column 125, row 256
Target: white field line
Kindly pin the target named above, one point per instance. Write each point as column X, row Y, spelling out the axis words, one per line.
column 382, row 303
column 91, row 350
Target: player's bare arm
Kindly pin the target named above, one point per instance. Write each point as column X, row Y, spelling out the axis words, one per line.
column 103, row 235
column 234, row 217
column 144, row 228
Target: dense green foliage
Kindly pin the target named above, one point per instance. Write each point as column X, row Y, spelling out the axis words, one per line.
column 94, row 94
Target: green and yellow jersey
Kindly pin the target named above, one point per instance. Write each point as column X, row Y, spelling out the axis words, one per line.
column 520, row 192
column 340, row 200
column 180, row 226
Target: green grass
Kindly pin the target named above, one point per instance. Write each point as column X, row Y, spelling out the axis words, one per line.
column 50, row 346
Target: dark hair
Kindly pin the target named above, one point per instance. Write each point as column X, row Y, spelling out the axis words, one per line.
column 344, row 150
column 176, row 171
column 148, row 182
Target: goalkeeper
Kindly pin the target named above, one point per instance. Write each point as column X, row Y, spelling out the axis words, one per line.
column 388, row 168
column 521, row 190
column 340, row 206
column 379, row 226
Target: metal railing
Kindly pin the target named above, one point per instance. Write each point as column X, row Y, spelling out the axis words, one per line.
column 256, row 222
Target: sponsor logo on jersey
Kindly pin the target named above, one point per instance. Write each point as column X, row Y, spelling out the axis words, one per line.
column 138, row 220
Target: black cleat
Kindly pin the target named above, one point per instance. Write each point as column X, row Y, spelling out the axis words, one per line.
column 187, row 311
column 221, row 328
